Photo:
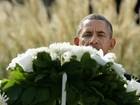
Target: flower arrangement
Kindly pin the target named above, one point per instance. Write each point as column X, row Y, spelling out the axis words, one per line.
column 91, row 78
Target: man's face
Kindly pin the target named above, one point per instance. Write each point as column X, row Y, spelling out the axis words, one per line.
column 95, row 33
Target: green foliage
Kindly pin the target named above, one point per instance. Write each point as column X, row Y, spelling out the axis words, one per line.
column 88, row 83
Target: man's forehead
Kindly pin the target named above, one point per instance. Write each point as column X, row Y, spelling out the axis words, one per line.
column 91, row 24
column 98, row 25
column 88, row 21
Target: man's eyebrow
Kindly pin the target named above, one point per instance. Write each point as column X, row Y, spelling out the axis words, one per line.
column 88, row 32
column 101, row 32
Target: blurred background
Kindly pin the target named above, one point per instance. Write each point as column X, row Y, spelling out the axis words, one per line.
column 28, row 24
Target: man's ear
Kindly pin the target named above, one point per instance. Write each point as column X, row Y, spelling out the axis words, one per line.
column 112, row 43
column 76, row 40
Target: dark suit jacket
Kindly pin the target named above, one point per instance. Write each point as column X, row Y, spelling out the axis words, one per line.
column 129, row 76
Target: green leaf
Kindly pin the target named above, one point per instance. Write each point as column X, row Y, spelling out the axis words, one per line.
column 92, row 100
column 22, row 77
column 17, row 75
column 40, row 55
column 39, row 77
column 51, row 102
column 13, row 93
column 109, row 102
column 56, row 77
column 108, row 64
column 97, row 92
column 4, row 82
column 43, row 60
column 87, row 75
column 71, row 94
column 40, row 63
column 79, row 85
column 71, row 66
column 47, row 58
column 18, row 68
column 75, row 75
column 29, row 76
column 28, row 95
column 42, row 94
column 109, row 77
column 45, row 83
column 85, row 57
column 95, row 83
column 10, row 84
column 76, row 99
column 55, row 91
column 105, row 88
column 114, row 85
column 91, row 64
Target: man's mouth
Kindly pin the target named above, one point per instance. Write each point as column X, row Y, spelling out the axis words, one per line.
column 96, row 47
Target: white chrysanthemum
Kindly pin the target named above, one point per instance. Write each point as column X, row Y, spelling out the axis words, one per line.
column 33, row 52
column 60, row 48
column 26, row 63
column 132, row 86
column 102, row 60
column 99, row 57
column 24, row 60
column 110, row 57
column 14, row 61
column 53, row 55
column 66, row 56
column 3, row 99
column 41, row 49
column 99, row 60
column 78, row 51
column 100, row 53
column 119, row 69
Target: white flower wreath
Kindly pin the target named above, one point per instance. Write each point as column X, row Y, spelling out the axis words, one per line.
column 63, row 52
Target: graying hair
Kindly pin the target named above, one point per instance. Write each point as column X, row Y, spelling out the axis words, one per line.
column 95, row 17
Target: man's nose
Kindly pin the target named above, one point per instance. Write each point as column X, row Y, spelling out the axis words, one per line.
column 94, row 40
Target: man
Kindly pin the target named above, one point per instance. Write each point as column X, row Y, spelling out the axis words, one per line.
column 96, row 31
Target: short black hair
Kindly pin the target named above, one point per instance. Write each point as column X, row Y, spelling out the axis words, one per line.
column 95, row 17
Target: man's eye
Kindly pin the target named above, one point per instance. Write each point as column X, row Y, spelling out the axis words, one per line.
column 87, row 34
column 101, row 35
